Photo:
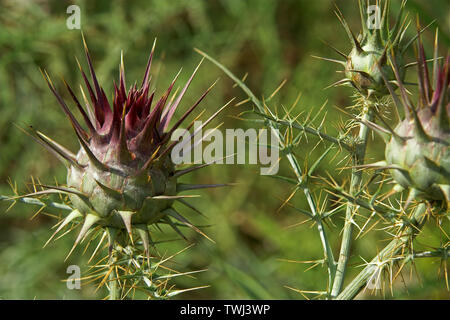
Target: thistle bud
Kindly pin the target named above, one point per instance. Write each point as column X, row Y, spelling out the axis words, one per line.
column 371, row 50
column 418, row 152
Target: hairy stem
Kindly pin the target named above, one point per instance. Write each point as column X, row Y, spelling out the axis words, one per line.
column 355, row 183
column 385, row 255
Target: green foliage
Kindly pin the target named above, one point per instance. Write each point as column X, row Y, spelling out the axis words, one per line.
column 256, row 233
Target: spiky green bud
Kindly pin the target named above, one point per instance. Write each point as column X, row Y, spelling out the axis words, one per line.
column 369, row 56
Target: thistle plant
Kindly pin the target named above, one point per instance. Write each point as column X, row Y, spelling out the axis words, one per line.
column 416, row 155
column 122, row 185
column 122, row 182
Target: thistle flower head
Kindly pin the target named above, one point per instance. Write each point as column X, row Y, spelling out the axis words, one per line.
column 418, row 151
column 122, row 178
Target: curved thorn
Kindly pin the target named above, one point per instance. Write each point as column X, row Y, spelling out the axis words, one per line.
column 350, row 34
column 171, row 212
column 185, row 187
column 74, row 122
column 64, row 155
column 86, row 118
column 174, row 227
column 177, row 197
column 111, row 192
column 145, row 237
column 343, row 63
column 149, row 64
column 72, row 215
column 126, row 217
column 172, row 107
column 335, row 49
column 187, row 204
column 89, row 221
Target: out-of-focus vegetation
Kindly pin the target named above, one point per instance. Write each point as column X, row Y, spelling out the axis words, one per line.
column 271, row 40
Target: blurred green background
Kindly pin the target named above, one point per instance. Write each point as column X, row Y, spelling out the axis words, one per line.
column 271, row 40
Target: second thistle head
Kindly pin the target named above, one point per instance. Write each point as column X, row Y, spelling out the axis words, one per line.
column 418, row 152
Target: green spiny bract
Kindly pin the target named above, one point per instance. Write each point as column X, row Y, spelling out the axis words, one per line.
column 371, row 49
column 122, row 178
column 418, row 152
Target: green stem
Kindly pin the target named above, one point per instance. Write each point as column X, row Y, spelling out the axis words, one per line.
column 292, row 161
column 386, row 255
column 327, row 252
column 114, row 288
column 315, row 132
column 355, row 183
column 38, row 202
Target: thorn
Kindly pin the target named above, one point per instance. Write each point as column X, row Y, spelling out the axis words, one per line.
column 73, row 121
column 350, row 34
column 180, row 173
column 277, row 90
column 174, row 227
column 185, row 187
column 171, row 108
column 72, row 215
column 145, row 237
column 363, row 17
column 116, row 194
column 171, row 212
column 112, row 235
column 335, row 50
column 89, row 221
column 338, row 83
column 59, row 151
column 126, row 217
column 184, row 116
column 187, row 204
column 177, row 197
column 149, row 64
column 343, row 63
column 104, row 235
